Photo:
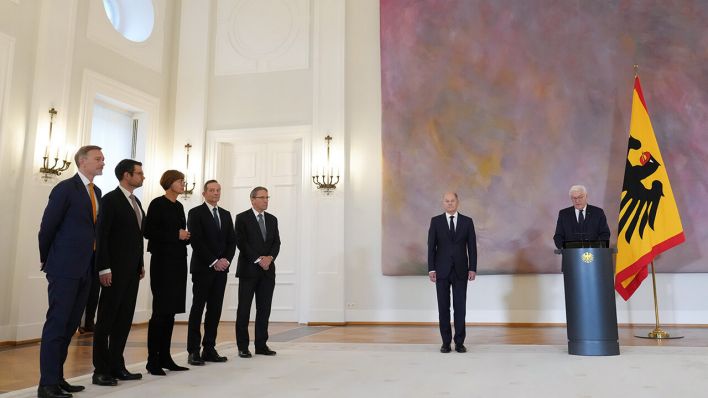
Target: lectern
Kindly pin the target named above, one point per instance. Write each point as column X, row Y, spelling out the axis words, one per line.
column 590, row 311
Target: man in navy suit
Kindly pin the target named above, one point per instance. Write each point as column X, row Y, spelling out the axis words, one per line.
column 213, row 243
column 258, row 241
column 580, row 221
column 119, row 261
column 66, row 251
column 452, row 261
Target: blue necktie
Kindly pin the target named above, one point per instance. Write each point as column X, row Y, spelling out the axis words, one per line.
column 581, row 219
column 216, row 217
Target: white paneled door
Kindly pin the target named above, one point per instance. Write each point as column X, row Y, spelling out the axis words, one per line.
column 276, row 164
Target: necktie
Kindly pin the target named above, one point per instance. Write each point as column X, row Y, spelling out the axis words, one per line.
column 216, row 217
column 136, row 209
column 92, row 195
column 581, row 219
column 261, row 223
column 452, row 226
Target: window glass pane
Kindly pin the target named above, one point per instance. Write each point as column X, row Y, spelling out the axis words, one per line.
column 112, row 130
column 134, row 19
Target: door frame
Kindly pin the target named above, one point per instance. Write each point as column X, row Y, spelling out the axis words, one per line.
column 294, row 132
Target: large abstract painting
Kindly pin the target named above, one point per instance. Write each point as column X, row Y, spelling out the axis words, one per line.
column 509, row 103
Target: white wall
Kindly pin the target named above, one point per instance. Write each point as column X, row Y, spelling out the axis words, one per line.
column 52, row 52
column 18, row 24
column 370, row 296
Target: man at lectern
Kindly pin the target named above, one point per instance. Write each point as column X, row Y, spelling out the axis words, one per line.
column 581, row 222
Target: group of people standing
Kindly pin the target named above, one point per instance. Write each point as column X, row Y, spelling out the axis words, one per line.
column 84, row 232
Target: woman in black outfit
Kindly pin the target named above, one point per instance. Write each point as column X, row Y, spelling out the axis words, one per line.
column 165, row 229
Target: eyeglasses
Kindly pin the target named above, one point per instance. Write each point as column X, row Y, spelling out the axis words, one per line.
column 261, row 197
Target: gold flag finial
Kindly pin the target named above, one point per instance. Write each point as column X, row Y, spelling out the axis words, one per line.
column 636, row 70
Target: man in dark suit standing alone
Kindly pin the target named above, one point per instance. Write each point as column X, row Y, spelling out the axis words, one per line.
column 119, row 260
column 258, row 241
column 213, row 247
column 580, row 222
column 66, row 253
column 452, row 261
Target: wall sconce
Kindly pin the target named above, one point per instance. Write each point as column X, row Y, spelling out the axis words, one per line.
column 49, row 172
column 187, row 190
column 324, row 178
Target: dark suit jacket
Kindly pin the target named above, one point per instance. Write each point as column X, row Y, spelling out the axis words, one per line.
column 251, row 245
column 446, row 252
column 168, row 263
column 210, row 243
column 594, row 228
column 66, row 234
column 119, row 243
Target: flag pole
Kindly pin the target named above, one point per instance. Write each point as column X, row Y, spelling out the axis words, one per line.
column 657, row 333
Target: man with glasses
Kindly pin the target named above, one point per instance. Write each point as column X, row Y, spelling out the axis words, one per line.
column 258, row 241
column 452, row 262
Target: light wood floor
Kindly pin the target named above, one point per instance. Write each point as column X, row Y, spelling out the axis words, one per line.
column 20, row 364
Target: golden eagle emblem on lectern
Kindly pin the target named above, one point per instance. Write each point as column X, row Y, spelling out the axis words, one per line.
column 587, row 257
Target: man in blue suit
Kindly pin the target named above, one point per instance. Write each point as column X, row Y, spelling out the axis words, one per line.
column 452, row 261
column 580, row 222
column 66, row 251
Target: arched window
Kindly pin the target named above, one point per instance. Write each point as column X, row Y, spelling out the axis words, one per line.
column 134, row 19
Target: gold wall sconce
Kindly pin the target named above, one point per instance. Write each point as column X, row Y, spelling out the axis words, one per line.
column 51, row 171
column 187, row 190
column 325, row 178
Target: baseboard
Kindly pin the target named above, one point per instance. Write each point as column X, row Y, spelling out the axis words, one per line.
column 498, row 324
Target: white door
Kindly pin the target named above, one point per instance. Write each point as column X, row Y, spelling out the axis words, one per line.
column 275, row 164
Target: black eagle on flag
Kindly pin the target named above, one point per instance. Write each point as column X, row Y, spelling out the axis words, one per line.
column 639, row 203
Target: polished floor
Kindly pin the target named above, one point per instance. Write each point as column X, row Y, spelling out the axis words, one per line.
column 20, row 364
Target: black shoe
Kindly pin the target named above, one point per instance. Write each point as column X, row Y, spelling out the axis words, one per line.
column 169, row 364
column 123, row 374
column 69, row 388
column 265, row 351
column 210, row 355
column 460, row 348
column 445, row 348
column 88, row 329
column 244, row 353
column 103, row 380
column 52, row 392
column 154, row 369
column 195, row 359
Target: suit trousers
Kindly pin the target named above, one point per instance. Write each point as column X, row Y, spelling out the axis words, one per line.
column 67, row 300
column 92, row 303
column 116, row 308
column 207, row 290
column 459, row 304
column 262, row 288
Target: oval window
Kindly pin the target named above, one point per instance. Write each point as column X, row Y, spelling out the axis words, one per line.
column 134, row 19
